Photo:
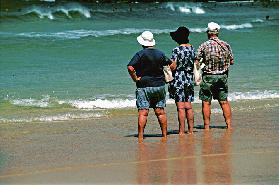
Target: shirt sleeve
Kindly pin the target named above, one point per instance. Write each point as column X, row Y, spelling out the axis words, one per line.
column 199, row 54
column 193, row 53
column 134, row 61
column 230, row 53
column 174, row 54
column 166, row 61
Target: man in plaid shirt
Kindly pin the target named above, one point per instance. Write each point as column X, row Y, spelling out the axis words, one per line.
column 217, row 57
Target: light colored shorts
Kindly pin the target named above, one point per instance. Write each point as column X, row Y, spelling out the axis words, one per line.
column 151, row 97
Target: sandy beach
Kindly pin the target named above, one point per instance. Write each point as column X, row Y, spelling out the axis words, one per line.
column 105, row 151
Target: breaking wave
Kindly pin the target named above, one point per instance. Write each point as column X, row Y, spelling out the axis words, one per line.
column 116, row 103
column 48, row 109
column 50, row 118
column 186, row 8
column 49, row 12
column 255, row 95
column 77, row 34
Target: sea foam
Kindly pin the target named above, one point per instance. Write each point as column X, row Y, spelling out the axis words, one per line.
column 64, row 110
column 42, row 103
column 77, row 34
column 254, row 95
column 130, row 101
column 186, row 8
column 235, row 27
column 102, row 103
column 51, row 118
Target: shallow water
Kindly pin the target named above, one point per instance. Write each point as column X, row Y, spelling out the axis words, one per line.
column 64, row 61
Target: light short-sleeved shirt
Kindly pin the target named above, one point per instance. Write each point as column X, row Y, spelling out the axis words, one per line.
column 148, row 64
column 216, row 54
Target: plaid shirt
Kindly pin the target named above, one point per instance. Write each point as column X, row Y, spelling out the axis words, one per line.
column 216, row 54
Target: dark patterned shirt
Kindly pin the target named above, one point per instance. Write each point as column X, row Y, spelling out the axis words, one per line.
column 216, row 54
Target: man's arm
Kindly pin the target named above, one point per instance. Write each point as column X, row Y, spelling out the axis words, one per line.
column 173, row 65
column 231, row 54
column 133, row 74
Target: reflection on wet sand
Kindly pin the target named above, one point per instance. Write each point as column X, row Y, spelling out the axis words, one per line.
column 152, row 168
column 182, row 165
column 216, row 159
column 184, row 169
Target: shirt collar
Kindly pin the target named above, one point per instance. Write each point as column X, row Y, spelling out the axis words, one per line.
column 214, row 38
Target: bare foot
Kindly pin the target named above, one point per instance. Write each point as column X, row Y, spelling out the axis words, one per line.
column 164, row 139
column 140, row 140
column 229, row 127
column 206, row 127
column 190, row 132
column 181, row 133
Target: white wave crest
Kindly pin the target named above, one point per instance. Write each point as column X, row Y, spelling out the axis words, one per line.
column 102, row 103
column 170, row 6
column 254, row 95
column 51, row 118
column 258, row 20
column 130, row 101
column 186, row 8
column 198, row 10
column 41, row 12
column 49, row 12
column 42, row 103
column 235, row 27
column 77, row 34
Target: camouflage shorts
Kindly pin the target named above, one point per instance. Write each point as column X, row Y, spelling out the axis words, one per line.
column 214, row 86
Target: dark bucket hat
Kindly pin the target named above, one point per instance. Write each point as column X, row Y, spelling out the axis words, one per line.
column 180, row 35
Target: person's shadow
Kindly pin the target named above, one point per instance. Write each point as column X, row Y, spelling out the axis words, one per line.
column 211, row 127
column 170, row 132
column 144, row 135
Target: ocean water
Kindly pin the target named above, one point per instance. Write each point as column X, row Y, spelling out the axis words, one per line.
column 64, row 61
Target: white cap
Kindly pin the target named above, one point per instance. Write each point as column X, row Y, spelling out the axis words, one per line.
column 213, row 27
column 146, row 39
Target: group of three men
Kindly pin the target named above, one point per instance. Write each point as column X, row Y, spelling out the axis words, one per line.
column 146, row 69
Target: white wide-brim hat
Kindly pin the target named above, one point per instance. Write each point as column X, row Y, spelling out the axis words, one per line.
column 146, row 39
column 213, row 27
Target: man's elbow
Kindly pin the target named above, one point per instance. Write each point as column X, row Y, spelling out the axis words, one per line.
column 130, row 68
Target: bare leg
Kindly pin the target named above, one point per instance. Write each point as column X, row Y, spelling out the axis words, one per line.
column 142, row 119
column 162, row 119
column 181, row 117
column 227, row 113
column 206, row 110
column 190, row 117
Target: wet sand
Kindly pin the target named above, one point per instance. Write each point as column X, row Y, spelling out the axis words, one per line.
column 105, row 151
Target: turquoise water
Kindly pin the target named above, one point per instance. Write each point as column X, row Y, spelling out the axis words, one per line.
column 62, row 61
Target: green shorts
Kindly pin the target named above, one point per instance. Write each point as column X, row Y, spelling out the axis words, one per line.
column 214, row 86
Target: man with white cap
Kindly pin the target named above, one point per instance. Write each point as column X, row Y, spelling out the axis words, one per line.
column 217, row 57
column 146, row 69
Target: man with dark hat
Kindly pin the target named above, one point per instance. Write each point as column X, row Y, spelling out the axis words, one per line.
column 217, row 57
